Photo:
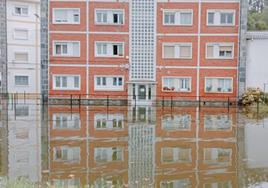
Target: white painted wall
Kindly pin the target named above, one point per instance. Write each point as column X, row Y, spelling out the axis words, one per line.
column 257, row 63
column 30, row 68
column 255, row 139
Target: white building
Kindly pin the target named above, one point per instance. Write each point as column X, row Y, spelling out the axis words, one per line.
column 257, row 60
column 23, row 46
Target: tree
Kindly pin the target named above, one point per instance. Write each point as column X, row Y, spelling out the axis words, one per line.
column 256, row 5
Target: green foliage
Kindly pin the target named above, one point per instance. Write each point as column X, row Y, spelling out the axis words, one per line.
column 252, row 96
column 258, row 21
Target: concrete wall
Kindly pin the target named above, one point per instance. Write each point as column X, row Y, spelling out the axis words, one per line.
column 257, row 63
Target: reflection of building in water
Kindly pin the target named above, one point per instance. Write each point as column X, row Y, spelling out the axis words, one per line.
column 141, row 147
column 3, row 138
column 24, row 141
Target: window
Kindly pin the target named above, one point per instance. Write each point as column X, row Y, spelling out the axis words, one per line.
column 172, row 122
column 221, row 17
column 66, row 121
column 66, row 82
column 177, row 50
column 180, row 183
column 62, row 48
column 74, row 182
column 109, row 49
column 21, row 10
column 21, row 56
column 219, row 85
column 220, row 51
column 223, row 184
column 217, row 155
column 178, row 17
column 22, row 133
column 115, row 17
column 108, row 154
column 170, row 84
column 21, row 80
column 21, row 34
column 22, row 111
column 220, row 122
column 107, row 122
column 66, row 154
column 176, row 155
column 109, row 83
column 66, row 16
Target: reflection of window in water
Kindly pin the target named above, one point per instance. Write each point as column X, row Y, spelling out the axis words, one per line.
column 72, row 183
column 110, row 121
column 180, row 183
column 176, row 155
column 22, row 133
column 176, row 122
column 142, row 114
column 66, row 154
column 217, row 155
column 66, row 121
column 108, row 182
column 217, row 122
column 108, row 154
column 22, row 111
column 22, row 157
column 225, row 184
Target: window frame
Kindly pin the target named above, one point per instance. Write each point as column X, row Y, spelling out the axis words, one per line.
column 22, row 85
column 177, row 11
column 231, row 44
column 20, row 38
column 65, row 89
column 65, row 23
column 221, row 11
column 178, row 77
column 65, row 41
column 109, row 87
column 20, row 6
column 109, row 43
column 103, row 9
column 232, row 82
column 177, row 44
column 20, row 52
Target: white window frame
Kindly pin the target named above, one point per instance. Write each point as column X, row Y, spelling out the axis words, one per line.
column 67, row 75
column 221, row 11
column 70, row 121
column 20, row 29
column 22, row 85
column 232, row 82
column 108, row 119
column 108, row 10
column 65, row 23
column 176, row 150
column 178, row 77
column 66, row 41
column 231, row 44
column 20, row 6
column 98, row 151
column 109, row 43
column 65, row 147
column 177, row 11
column 109, row 87
column 210, row 162
column 177, row 46
column 21, row 52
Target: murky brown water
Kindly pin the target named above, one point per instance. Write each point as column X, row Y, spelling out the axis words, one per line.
column 133, row 147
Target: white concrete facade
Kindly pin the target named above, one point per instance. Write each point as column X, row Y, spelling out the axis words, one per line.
column 257, row 60
column 23, row 40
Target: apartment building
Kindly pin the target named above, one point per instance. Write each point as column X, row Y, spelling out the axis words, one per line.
column 3, row 48
column 145, row 50
column 23, row 46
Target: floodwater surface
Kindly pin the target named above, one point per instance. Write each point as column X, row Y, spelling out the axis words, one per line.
column 142, row 146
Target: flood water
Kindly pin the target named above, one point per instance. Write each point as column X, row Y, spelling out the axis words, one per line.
column 105, row 147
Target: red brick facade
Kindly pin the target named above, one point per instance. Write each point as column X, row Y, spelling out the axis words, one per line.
column 87, row 65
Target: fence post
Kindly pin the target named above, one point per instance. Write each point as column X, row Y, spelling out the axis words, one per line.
column 135, row 97
column 107, row 101
column 71, row 101
column 163, row 102
column 171, row 101
column 228, row 104
column 79, row 101
column 199, row 102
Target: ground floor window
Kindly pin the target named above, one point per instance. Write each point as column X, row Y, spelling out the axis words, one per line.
column 66, row 82
column 218, row 85
column 109, row 83
column 175, row 84
column 66, row 121
column 21, row 80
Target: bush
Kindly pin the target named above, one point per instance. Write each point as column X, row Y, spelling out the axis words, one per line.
column 253, row 95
